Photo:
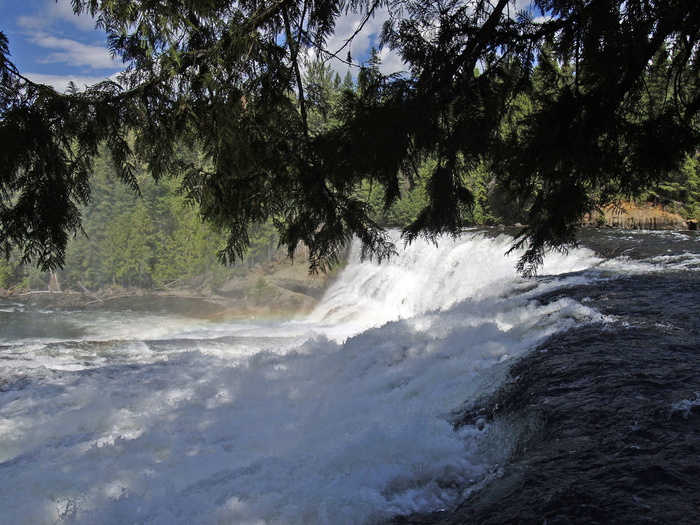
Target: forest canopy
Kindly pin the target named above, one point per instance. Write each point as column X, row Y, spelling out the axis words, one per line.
column 569, row 104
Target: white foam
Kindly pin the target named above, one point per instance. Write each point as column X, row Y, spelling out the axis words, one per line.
column 316, row 422
column 427, row 277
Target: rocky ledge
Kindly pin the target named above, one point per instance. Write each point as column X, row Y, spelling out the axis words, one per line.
column 603, row 420
column 630, row 216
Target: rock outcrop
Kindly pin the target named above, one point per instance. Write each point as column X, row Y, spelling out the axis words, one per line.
column 631, row 216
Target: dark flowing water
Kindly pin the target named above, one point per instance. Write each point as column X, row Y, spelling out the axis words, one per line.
column 438, row 388
column 606, row 414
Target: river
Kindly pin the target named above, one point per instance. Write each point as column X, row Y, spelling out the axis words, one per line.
column 440, row 386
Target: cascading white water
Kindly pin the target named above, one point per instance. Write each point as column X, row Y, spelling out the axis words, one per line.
column 429, row 277
column 342, row 418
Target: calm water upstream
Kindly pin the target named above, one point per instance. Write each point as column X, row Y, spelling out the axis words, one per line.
column 440, row 386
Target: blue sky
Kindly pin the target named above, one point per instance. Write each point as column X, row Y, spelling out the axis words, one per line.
column 49, row 44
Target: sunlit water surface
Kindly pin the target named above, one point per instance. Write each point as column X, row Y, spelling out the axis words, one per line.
column 129, row 415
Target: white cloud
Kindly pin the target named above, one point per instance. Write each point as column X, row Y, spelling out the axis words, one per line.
column 523, row 5
column 32, row 23
column 56, row 11
column 362, row 43
column 542, row 19
column 60, row 82
column 74, row 53
column 391, row 62
column 71, row 41
column 63, row 10
column 345, row 28
column 528, row 5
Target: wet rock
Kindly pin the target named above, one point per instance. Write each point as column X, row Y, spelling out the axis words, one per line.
column 619, row 410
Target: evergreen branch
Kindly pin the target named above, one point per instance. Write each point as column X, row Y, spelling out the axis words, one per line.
column 259, row 20
column 329, row 54
column 293, row 49
column 361, row 26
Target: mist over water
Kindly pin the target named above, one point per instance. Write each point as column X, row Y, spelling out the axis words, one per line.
column 344, row 417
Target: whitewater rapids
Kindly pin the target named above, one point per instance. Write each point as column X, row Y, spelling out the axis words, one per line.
column 345, row 417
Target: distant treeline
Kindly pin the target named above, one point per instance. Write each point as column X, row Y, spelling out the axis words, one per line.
column 150, row 237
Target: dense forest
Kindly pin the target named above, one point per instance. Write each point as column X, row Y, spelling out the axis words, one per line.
column 544, row 109
column 151, row 235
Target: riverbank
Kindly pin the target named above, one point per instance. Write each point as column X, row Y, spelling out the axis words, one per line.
column 282, row 288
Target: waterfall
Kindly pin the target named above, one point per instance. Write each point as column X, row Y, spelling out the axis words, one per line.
column 426, row 276
column 345, row 417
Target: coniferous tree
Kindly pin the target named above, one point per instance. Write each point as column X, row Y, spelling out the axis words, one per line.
column 227, row 77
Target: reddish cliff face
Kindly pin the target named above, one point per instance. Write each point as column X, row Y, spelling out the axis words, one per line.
column 631, row 216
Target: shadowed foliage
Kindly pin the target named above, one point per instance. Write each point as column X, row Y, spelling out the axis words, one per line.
column 573, row 102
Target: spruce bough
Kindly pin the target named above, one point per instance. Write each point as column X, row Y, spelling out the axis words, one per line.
column 573, row 103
